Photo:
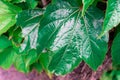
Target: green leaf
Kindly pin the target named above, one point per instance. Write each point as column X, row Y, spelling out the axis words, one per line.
column 31, row 57
column 4, row 42
column 20, row 65
column 45, row 59
column 71, row 37
column 23, row 5
column 15, row 1
column 54, row 1
column 116, row 50
column 64, row 61
column 86, row 4
column 7, row 57
column 23, row 62
column 112, row 18
column 32, row 3
column 7, row 0
column 16, row 37
column 29, row 21
column 7, row 53
column 8, row 14
column 117, row 30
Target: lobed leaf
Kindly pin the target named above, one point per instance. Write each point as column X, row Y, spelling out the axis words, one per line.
column 72, row 38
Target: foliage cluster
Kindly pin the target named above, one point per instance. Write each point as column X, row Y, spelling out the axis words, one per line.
column 58, row 37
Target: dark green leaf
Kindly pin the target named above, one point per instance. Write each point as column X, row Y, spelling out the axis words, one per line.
column 72, row 37
column 32, row 3
column 4, row 42
column 117, row 30
column 23, row 5
column 54, row 1
column 64, row 61
column 8, row 14
column 112, row 18
column 116, row 50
